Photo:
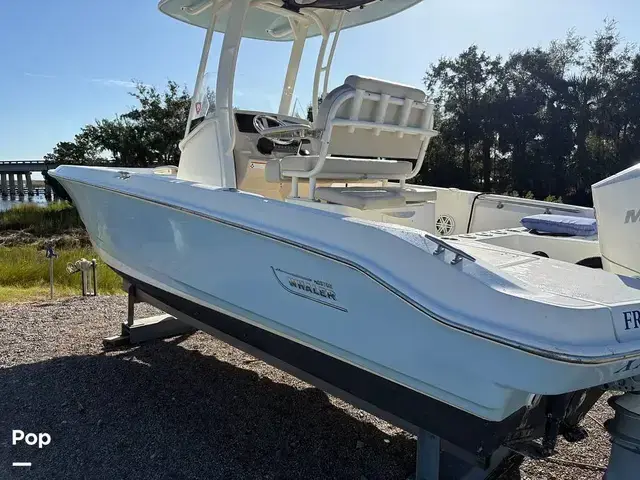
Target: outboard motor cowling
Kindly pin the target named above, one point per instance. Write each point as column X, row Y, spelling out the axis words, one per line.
column 616, row 200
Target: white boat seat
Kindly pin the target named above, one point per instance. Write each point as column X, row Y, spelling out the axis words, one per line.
column 375, row 85
column 273, row 174
column 363, row 198
column 358, row 124
column 342, row 167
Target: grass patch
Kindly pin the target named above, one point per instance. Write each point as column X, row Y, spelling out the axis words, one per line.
column 41, row 221
column 24, row 273
column 33, row 294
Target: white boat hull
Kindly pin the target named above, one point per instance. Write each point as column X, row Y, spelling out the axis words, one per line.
column 314, row 297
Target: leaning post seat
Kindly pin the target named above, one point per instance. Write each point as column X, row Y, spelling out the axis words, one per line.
column 373, row 198
column 365, row 129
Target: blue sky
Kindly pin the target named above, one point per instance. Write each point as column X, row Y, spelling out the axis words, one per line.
column 66, row 63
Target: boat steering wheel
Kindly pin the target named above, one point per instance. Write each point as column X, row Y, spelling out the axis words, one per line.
column 261, row 124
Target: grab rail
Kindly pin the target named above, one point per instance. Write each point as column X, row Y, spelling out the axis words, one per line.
column 443, row 246
column 524, row 203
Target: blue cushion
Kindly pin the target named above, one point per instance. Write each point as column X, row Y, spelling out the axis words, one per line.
column 563, row 224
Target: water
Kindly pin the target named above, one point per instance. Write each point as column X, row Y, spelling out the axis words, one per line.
column 7, row 203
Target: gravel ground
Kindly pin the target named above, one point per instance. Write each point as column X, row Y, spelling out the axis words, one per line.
column 193, row 408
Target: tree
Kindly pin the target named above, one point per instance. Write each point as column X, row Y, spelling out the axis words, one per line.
column 146, row 135
column 80, row 152
column 547, row 122
column 463, row 87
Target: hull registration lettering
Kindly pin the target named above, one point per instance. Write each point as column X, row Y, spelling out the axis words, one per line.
column 631, row 319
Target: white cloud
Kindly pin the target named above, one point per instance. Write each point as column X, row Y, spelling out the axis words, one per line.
column 39, row 75
column 111, row 82
column 107, row 82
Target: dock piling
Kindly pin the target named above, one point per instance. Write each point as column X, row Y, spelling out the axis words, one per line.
column 3, row 185
column 12, row 185
column 30, row 191
column 20, row 184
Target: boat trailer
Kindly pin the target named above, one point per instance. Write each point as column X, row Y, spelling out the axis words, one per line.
column 436, row 458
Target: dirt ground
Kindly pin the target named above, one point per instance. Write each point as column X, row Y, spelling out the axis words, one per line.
column 193, row 407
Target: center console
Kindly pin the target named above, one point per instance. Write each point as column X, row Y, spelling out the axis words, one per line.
column 252, row 152
column 264, row 146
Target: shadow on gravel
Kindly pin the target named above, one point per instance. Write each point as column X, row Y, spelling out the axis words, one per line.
column 160, row 411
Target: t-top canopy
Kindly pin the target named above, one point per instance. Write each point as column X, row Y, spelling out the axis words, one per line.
column 266, row 24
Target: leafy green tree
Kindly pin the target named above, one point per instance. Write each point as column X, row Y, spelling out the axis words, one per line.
column 549, row 121
column 463, row 87
column 147, row 135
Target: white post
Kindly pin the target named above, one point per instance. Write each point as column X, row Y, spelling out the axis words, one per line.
column 312, row 188
column 324, row 31
column 334, row 43
column 300, row 32
column 224, row 89
column 203, row 63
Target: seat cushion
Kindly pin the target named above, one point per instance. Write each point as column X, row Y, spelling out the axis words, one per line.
column 375, row 85
column 561, row 224
column 335, row 166
column 363, row 198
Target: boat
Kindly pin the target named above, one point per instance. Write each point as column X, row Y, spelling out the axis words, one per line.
column 306, row 241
